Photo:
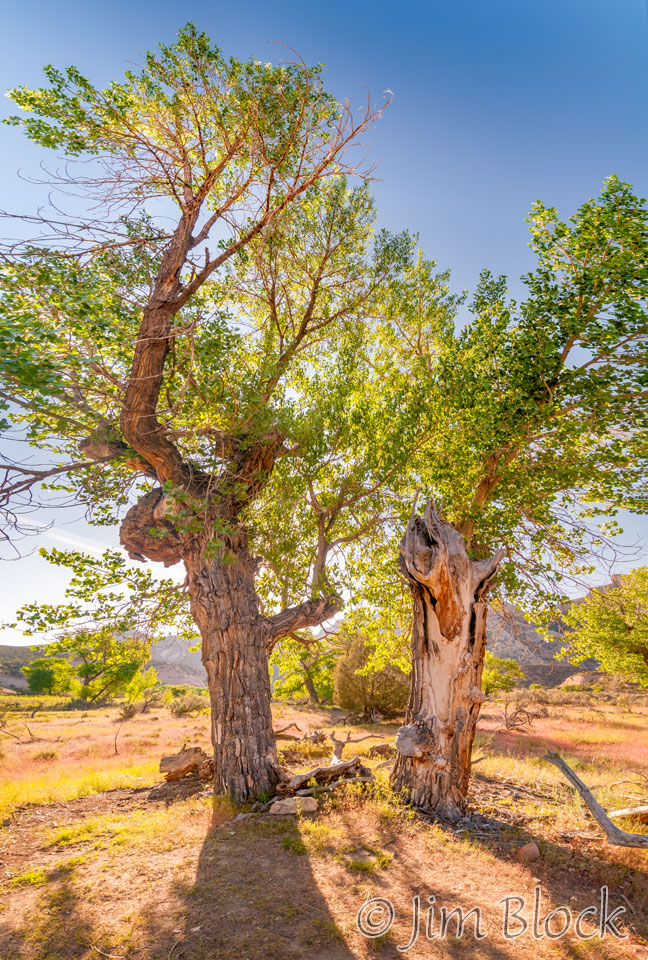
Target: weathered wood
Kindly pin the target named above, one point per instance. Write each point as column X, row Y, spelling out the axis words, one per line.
column 630, row 813
column 614, row 834
column 188, row 760
column 333, row 786
column 326, row 774
column 434, row 746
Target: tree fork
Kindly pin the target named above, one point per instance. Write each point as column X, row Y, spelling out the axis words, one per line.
column 434, row 746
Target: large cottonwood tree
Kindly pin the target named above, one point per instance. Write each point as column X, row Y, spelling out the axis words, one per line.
column 172, row 346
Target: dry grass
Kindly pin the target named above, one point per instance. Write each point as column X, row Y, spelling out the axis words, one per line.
column 138, row 875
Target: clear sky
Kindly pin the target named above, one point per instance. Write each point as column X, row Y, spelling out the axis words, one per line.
column 497, row 103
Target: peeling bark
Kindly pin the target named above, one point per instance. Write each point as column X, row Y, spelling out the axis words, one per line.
column 448, row 645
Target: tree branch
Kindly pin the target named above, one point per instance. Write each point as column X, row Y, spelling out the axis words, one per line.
column 310, row 613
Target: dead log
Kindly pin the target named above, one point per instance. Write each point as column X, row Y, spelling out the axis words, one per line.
column 333, row 786
column 614, row 834
column 635, row 813
column 189, row 760
column 326, row 774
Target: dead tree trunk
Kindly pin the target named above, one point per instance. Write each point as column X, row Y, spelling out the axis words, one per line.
column 448, row 645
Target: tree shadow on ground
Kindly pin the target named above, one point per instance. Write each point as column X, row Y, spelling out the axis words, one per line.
column 57, row 927
column 573, row 866
column 251, row 898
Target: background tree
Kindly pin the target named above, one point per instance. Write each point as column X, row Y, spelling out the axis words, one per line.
column 304, row 668
column 500, row 674
column 611, row 625
column 364, row 691
column 180, row 358
column 145, row 689
column 99, row 664
column 536, row 420
column 48, row 675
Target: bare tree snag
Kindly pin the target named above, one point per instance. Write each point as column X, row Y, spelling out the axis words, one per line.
column 448, row 645
column 614, row 834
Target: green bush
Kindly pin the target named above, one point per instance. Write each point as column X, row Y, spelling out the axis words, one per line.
column 385, row 690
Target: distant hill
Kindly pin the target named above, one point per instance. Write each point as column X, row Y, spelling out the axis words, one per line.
column 509, row 635
column 176, row 663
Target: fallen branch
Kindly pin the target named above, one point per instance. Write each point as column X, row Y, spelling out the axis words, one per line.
column 333, row 786
column 385, row 763
column 614, row 834
column 325, row 774
column 282, row 735
column 339, row 745
column 636, row 813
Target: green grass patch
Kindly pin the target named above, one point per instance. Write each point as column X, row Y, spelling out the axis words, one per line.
column 33, row 878
column 66, row 785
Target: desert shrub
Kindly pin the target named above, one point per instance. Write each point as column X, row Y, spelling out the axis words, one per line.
column 128, row 710
column 187, row 704
column 519, row 709
column 184, row 689
column 383, row 690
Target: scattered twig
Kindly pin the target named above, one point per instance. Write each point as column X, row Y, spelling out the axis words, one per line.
column 116, row 735
column 111, row 956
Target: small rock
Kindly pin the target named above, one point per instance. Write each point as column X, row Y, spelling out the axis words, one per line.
column 242, row 816
column 294, row 805
column 530, row 851
column 258, row 807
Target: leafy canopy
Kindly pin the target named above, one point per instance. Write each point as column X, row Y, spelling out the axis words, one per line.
column 611, row 625
column 534, row 414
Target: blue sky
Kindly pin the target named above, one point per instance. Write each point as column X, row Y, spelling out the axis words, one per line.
column 497, row 103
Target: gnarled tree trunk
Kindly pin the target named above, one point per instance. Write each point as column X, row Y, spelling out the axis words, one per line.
column 236, row 637
column 235, row 644
column 448, row 645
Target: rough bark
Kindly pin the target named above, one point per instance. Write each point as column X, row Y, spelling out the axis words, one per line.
column 236, row 637
column 235, row 643
column 434, row 747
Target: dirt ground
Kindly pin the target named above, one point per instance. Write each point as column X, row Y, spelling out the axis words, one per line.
column 165, row 871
